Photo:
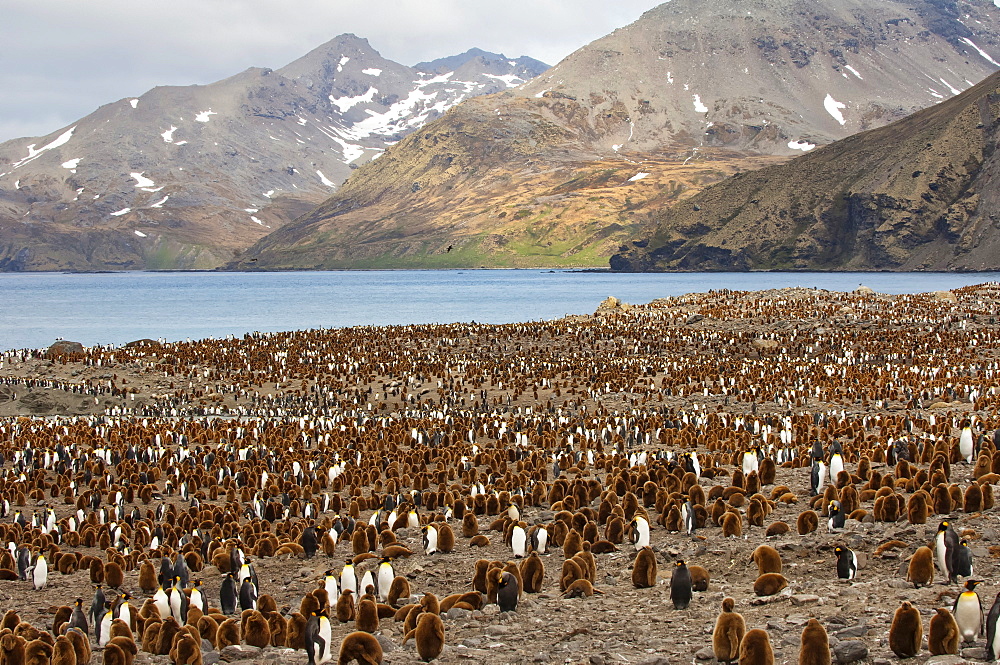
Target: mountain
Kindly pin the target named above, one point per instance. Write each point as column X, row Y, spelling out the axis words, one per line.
column 919, row 194
column 564, row 169
column 187, row 177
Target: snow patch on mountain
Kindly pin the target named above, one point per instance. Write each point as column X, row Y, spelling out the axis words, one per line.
column 204, row 115
column 142, row 181
column 345, row 104
column 833, row 107
column 33, row 154
column 168, row 136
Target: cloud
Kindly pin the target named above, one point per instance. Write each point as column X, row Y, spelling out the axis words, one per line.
column 64, row 58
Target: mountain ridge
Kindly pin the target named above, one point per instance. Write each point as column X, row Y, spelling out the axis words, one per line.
column 559, row 170
column 189, row 176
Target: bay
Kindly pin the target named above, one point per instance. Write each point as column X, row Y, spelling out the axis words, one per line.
column 116, row 308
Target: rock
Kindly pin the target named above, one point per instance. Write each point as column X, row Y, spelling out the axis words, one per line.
column 694, row 318
column 236, row 652
column 853, row 631
column 974, row 653
column 654, row 660
column 497, row 630
column 946, row 296
column 597, row 659
column 899, row 584
column 206, row 646
column 765, row 343
column 63, row 348
column 305, row 572
column 800, row 599
column 705, row 653
column 471, row 642
column 209, row 657
column 944, row 660
column 386, row 643
column 864, row 289
column 850, row 651
column 541, row 658
column 456, row 613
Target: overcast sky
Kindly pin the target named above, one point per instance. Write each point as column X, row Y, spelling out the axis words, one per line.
column 61, row 59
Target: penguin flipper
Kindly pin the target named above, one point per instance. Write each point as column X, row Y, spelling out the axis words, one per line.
column 409, row 635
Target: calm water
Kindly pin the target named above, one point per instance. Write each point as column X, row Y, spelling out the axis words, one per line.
column 115, row 308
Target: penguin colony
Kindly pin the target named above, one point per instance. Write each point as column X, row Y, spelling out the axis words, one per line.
column 787, row 427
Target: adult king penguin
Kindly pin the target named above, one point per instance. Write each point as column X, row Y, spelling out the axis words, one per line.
column 945, row 545
column 968, row 611
column 847, row 563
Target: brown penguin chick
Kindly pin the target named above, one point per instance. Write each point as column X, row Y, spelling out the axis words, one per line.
column 385, row 611
column 571, row 572
column 147, row 577
column 815, row 649
column 767, row 558
column 755, row 648
column 194, row 615
column 410, row 622
column 943, row 636
column 405, row 610
column 429, row 636
column 12, row 649
column 120, row 629
column 916, row 508
column 96, row 571
column 777, row 529
column 644, row 568
column 614, row 532
column 700, row 578
column 295, row 636
column 482, row 566
column 278, row 626
column 81, row 644
column 430, row 603
column 367, row 616
column 127, row 646
column 580, row 588
column 113, row 655
column 345, row 606
column 479, row 541
column 113, row 575
column 361, row 647
column 62, row 615
column 729, row 630
column 573, row 544
column 10, row 620
column 732, row 525
column 187, row 650
column 446, row 539
column 906, row 632
column 207, row 628
column 165, row 638
column 228, row 633
column 396, row 552
column 310, row 605
column 807, row 522
column 532, row 573
column 256, row 631
column 973, row 499
column 63, row 652
column 769, row 584
column 400, row 588
column 920, row 571
column 470, row 526
column 603, row 547
column 37, row 652
column 151, row 635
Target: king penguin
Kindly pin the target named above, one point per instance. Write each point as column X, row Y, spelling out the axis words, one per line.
column 228, row 595
column 39, row 573
column 385, row 576
column 330, row 584
column 836, row 521
column 836, row 461
column 945, row 544
column 539, row 537
column 968, row 611
column 817, row 477
column 97, row 608
column 430, row 539
column 518, row 541
column 966, row 443
column 681, row 586
column 348, row 578
column 687, row 517
column 78, row 619
column 639, row 531
column 992, row 634
column 961, row 561
column 847, row 563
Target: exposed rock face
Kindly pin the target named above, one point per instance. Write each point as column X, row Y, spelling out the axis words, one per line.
column 556, row 171
column 187, row 177
column 916, row 195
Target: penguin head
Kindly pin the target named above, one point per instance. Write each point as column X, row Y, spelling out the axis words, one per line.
column 838, row 550
column 679, row 563
column 970, row 585
column 944, row 526
column 79, row 602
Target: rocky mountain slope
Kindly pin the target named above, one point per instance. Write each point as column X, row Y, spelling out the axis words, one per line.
column 920, row 194
column 184, row 177
column 563, row 169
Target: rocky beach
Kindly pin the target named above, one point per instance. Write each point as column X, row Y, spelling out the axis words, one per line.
column 576, row 425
